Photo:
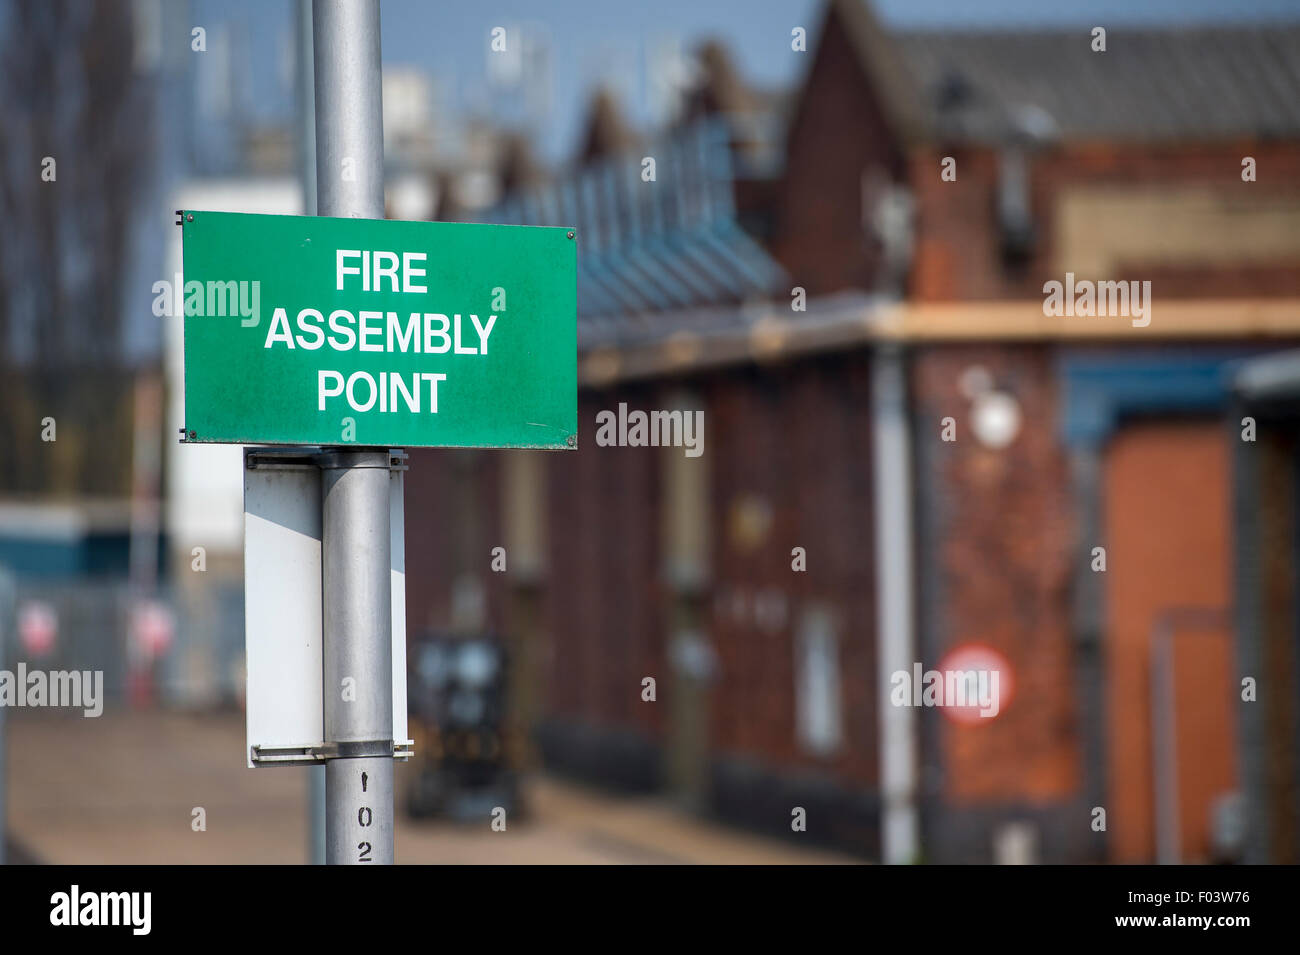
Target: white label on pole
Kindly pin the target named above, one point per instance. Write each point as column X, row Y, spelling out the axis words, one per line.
column 282, row 608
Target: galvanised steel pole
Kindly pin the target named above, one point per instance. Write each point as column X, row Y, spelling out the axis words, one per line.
column 895, row 643
column 355, row 558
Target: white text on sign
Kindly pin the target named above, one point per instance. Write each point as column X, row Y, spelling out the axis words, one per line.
column 430, row 333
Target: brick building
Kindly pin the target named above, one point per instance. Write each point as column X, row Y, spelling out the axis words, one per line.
column 824, row 438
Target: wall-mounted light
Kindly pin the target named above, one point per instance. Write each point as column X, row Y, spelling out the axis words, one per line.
column 995, row 415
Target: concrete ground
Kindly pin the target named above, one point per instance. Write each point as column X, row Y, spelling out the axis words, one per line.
column 122, row 789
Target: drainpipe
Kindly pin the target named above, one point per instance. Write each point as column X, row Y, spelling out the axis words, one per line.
column 895, row 641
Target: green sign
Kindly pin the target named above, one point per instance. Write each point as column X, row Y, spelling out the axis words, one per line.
column 322, row 331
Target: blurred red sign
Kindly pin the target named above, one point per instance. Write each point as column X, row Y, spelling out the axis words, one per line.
column 152, row 628
column 979, row 683
column 38, row 627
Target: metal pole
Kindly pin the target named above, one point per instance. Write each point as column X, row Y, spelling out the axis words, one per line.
column 895, row 642
column 355, row 558
column 349, row 109
column 358, row 670
column 307, row 177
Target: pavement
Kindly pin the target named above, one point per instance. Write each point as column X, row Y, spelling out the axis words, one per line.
column 123, row 788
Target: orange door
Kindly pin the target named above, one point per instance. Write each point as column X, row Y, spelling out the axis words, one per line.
column 1170, row 675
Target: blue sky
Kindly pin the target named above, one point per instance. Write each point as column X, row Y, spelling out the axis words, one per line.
column 610, row 40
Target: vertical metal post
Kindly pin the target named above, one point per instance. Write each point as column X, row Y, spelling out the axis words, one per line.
column 357, row 595
column 895, row 643
column 358, row 664
column 349, row 109
column 305, row 88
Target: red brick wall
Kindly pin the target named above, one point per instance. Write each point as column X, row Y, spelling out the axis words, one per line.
column 958, row 252
column 1004, row 533
column 452, row 523
column 606, row 614
column 795, row 436
column 798, row 438
column 838, row 132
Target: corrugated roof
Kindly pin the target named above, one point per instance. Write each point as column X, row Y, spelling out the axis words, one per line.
column 1151, row 84
column 650, row 247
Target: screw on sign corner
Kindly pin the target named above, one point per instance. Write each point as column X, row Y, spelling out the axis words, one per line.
column 570, row 235
column 571, row 440
column 190, row 217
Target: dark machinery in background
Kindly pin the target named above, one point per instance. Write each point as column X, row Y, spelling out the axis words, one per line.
column 467, row 749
